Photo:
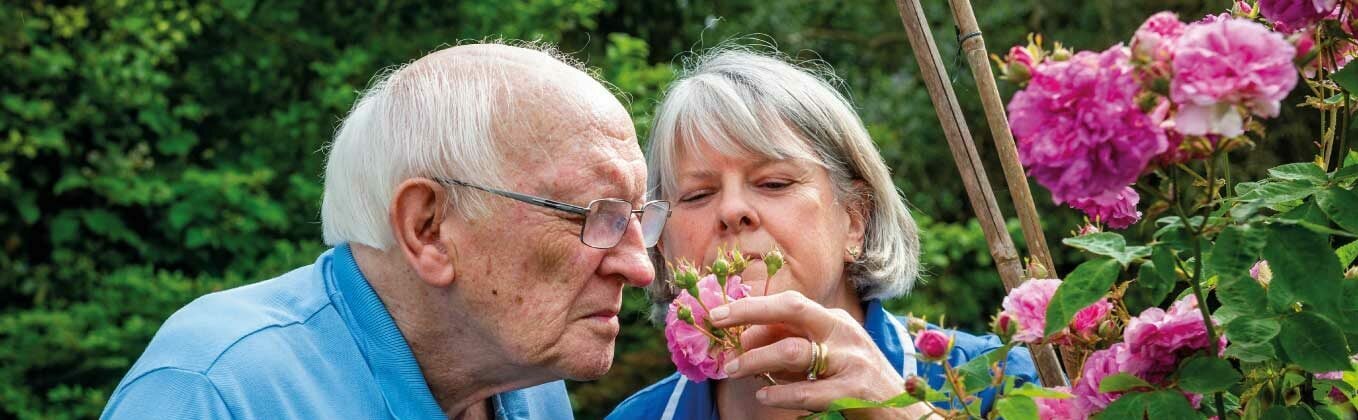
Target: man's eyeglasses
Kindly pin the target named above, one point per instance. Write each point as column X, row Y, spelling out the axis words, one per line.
column 606, row 219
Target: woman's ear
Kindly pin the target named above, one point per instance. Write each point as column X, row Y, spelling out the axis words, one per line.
column 859, row 208
column 417, row 214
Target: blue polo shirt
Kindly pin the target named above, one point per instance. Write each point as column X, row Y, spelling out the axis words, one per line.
column 676, row 397
column 313, row 343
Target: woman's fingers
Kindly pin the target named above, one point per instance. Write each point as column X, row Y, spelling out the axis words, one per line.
column 792, row 354
column 762, row 335
column 789, row 308
column 807, row 395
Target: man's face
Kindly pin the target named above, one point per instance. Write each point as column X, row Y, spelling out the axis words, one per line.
column 528, row 283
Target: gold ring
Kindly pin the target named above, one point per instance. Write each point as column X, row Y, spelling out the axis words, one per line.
column 811, row 370
column 824, row 359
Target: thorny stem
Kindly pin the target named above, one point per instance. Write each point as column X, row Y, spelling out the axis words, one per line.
column 1196, row 281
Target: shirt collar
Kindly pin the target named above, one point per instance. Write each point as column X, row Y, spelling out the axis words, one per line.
column 891, row 338
column 393, row 366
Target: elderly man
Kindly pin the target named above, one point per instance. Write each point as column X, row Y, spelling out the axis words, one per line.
column 461, row 284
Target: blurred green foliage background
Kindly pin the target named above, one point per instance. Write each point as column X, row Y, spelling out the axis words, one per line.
column 154, row 151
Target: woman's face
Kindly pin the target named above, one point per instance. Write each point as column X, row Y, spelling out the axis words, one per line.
column 759, row 204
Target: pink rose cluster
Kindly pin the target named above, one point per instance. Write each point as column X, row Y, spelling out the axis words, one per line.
column 1027, row 304
column 1153, row 345
column 1292, row 15
column 691, row 347
column 1089, row 125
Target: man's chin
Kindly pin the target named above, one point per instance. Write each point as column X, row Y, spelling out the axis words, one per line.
column 588, row 368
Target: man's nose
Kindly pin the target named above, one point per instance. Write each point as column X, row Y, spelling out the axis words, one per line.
column 629, row 258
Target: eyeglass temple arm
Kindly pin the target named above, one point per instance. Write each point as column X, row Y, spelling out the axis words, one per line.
column 521, row 197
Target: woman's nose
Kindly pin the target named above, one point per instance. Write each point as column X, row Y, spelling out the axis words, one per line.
column 737, row 213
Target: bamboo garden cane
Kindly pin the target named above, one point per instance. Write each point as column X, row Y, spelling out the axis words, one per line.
column 973, row 45
column 969, row 164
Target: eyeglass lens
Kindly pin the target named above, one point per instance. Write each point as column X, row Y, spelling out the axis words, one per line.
column 608, row 219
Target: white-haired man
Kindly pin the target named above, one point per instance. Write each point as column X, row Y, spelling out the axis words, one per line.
column 486, row 207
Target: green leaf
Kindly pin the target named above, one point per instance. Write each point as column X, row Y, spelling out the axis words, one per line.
column 1271, row 194
column 1251, row 330
column 1314, row 342
column 1084, row 286
column 903, row 400
column 1035, row 391
column 1154, row 280
column 1308, row 212
column 1252, row 353
column 1129, row 406
column 1301, row 171
column 1123, row 382
column 1347, row 253
column 976, row 374
column 1237, row 248
column 1017, row 407
column 1349, row 172
column 1108, row 244
column 1205, row 375
column 1168, row 404
column 1305, row 269
column 1342, row 207
column 1346, row 78
column 1240, row 295
column 849, row 403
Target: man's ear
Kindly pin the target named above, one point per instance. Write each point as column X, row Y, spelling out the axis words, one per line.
column 417, row 213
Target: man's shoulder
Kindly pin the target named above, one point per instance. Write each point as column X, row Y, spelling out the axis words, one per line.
column 200, row 333
column 650, row 402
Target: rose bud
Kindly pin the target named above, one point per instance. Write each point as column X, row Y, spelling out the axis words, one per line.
column 721, row 268
column 933, row 345
column 773, row 261
column 916, row 387
column 915, row 325
column 1004, row 327
column 686, row 315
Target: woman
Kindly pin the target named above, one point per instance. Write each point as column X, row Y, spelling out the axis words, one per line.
column 755, row 152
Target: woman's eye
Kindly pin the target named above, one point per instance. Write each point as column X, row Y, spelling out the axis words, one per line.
column 694, row 196
column 774, row 185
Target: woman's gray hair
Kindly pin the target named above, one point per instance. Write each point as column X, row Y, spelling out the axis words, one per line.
column 738, row 101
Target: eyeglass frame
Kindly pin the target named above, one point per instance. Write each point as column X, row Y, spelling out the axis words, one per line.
column 567, row 207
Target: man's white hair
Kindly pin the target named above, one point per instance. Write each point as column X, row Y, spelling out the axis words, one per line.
column 420, row 119
column 738, row 101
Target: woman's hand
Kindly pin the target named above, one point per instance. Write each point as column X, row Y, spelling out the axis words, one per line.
column 782, row 329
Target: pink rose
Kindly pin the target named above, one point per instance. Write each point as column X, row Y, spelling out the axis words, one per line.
column 1117, row 209
column 1291, row 15
column 1162, row 338
column 691, row 350
column 1079, row 129
column 1154, row 40
column 1261, row 273
column 1028, row 304
column 1058, row 408
column 1341, row 53
column 1022, row 56
column 1086, row 322
column 933, row 345
column 1099, row 365
column 1226, row 64
column 1333, row 376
